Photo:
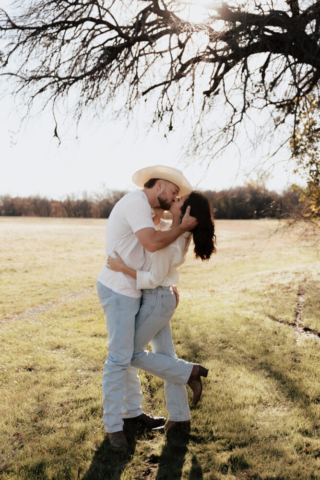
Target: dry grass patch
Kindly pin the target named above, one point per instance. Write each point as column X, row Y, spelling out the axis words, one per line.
column 43, row 259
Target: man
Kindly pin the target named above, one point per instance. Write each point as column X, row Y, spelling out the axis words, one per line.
column 130, row 230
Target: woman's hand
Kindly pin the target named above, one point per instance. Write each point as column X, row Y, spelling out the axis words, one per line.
column 116, row 264
column 175, row 290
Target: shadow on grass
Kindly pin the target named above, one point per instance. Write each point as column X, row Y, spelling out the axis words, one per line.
column 172, row 457
column 291, row 389
column 196, row 470
column 106, row 463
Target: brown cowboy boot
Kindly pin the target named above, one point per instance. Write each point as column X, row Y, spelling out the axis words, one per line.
column 118, row 441
column 194, row 382
column 147, row 420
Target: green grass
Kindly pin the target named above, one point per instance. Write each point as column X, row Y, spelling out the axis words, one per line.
column 259, row 417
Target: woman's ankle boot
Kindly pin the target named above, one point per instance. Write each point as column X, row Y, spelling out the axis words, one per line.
column 194, row 382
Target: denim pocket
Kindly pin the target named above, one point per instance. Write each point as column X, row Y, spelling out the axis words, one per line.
column 149, row 298
column 168, row 305
column 103, row 292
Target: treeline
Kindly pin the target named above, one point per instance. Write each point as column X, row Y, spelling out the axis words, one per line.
column 253, row 201
column 96, row 206
column 250, row 201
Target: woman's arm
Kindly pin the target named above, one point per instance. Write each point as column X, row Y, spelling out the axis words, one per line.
column 161, row 263
column 118, row 265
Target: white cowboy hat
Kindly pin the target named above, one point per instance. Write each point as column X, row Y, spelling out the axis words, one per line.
column 162, row 172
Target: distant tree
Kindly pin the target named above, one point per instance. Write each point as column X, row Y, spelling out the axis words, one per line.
column 290, row 205
column 57, row 209
column 305, row 147
column 11, row 207
column 106, row 200
column 40, row 207
column 82, row 208
column 68, row 205
column 253, row 201
column 243, row 57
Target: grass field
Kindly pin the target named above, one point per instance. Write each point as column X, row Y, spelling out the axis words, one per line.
column 259, row 417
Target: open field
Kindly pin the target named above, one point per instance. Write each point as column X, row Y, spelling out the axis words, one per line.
column 243, row 315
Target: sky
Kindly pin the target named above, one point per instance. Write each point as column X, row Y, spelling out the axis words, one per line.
column 104, row 154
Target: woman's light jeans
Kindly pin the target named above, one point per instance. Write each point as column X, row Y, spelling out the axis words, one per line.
column 153, row 326
column 129, row 332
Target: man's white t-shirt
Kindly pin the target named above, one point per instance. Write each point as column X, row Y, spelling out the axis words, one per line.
column 131, row 214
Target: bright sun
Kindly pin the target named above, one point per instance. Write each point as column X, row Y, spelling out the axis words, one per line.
column 194, row 10
column 197, row 11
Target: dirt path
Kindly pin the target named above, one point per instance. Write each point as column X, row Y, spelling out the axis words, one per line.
column 35, row 311
column 300, row 330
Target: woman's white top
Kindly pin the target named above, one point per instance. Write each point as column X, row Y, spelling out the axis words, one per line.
column 161, row 266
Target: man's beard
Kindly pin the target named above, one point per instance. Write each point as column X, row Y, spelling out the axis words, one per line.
column 163, row 202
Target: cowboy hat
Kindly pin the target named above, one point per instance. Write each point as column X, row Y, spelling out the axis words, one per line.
column 162, row 172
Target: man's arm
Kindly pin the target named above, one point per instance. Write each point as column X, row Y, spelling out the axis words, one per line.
column 156, row 240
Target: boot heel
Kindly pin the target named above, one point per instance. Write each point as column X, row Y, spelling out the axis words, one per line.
column 203, row 372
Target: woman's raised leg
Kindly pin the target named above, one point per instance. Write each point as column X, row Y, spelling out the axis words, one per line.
column 176, row 394
column 156, row 310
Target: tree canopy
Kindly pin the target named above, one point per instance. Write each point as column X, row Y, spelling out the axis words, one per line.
column 241, row 58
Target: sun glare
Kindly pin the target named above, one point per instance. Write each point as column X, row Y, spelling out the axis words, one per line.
column 195, row 10
column 200, row 11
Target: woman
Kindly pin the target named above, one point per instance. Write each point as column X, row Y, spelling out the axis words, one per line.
column 159, row 302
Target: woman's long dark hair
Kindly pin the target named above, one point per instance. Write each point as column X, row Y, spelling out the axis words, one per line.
column 203, row 233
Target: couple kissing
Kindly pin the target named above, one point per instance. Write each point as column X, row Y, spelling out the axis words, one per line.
column 137, row 293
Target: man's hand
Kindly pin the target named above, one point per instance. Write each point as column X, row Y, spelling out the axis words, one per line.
column 188, row 223
column 174, row 288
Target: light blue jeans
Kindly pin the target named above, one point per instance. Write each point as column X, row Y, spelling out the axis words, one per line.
column 121, row 389
column 128, row 335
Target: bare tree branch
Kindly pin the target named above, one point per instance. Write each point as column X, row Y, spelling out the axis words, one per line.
column 259, row 56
